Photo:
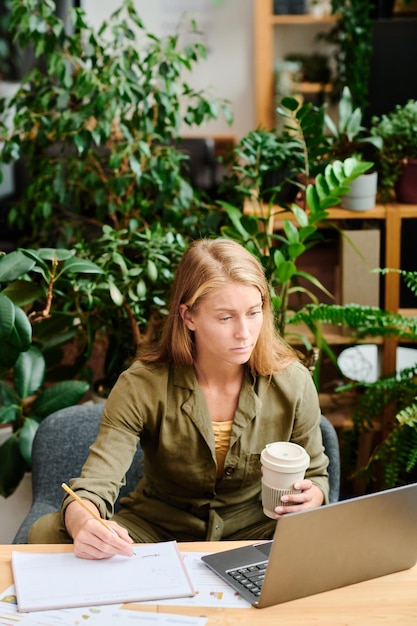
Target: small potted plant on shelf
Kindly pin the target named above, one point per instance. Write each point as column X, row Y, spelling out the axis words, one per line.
column 268, row 163
column 397, row 161
column 348, row 137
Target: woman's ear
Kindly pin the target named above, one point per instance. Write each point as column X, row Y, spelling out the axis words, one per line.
column 187, row 316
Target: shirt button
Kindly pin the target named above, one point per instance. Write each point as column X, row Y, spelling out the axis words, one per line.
column 229, row 471
column 217, row 527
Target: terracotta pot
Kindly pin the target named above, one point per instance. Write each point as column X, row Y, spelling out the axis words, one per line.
column 406, row 186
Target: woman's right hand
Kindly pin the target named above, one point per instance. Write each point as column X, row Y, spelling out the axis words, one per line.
column 92, row 540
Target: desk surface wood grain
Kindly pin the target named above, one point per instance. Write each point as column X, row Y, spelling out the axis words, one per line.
column 387, row 600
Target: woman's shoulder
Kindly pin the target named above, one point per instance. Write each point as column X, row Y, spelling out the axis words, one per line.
column 293, row 373
column 138, row 367
column 161, row 373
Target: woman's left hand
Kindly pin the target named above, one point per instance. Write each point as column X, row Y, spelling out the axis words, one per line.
column 309, row 497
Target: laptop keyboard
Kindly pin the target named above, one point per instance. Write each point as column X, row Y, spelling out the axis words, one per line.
column 251, row 577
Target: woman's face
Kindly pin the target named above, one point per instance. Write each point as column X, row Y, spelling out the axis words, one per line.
column 227, row 324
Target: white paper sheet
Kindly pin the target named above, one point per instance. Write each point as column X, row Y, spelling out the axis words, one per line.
column 210, row 589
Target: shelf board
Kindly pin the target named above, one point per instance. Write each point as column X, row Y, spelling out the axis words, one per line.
column 408, row 312
column 334, row 335
column 277, row 214
column 309, row 87
column 305, row 18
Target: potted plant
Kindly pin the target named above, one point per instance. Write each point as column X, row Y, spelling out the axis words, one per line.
column 97, row 124
column 397, row 162
column 250, row 221
column 348, row 137
column 26, row 396
column 268, row 163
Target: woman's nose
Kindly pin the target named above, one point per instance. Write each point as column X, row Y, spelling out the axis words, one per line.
column 242, row 329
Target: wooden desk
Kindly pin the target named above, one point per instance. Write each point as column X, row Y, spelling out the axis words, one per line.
column 388, row 600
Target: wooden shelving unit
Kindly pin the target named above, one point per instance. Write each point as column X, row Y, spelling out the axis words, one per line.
column 392, row 215
column 265, row 24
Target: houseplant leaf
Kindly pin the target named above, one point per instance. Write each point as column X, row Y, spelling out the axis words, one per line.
column 21, row 336
column 26, row 436
column 76, row 265
column 7, row 316
column 59, row 396
column 22, row 292
column 13, row 265
column 29, row 372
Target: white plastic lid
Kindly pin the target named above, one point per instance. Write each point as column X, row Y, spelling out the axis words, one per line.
column 285, row 456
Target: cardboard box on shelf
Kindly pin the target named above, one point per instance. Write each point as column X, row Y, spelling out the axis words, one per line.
column 359, row 255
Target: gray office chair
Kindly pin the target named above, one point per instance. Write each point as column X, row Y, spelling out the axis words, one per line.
column 331, row 447
column 61, row 446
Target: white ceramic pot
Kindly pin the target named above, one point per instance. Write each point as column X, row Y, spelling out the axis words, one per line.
column 362, row 194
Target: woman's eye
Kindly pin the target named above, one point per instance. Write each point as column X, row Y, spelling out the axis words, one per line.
column 255, row 313
column 224, row 319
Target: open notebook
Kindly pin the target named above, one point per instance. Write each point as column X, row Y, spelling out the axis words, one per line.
column 57, row 581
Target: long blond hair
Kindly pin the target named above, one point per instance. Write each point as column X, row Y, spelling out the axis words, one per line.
column 207, row 265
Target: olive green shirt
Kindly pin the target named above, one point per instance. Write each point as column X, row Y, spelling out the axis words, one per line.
column 164, row 407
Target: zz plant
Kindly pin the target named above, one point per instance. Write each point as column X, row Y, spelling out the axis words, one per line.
column 250, row 222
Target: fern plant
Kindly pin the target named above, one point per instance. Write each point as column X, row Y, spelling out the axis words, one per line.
column 394, row 457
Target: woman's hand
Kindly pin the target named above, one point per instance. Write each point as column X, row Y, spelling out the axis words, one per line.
column 91, row 539
column 310, row 497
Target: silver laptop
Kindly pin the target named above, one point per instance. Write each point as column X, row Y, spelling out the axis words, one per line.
column 325, row 548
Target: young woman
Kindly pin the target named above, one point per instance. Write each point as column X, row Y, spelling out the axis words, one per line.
column 204, row 401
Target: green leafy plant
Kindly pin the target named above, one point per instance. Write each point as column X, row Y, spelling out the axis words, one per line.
column 352, row 37
column 251, row 223
column 56, row 307
column 23, row 406
column 26, row 397
column 398, row 130
column 96, row 121
column 124, row 307
column 110, row 293
column 267, row 163
column 10, row 60
column 348, row 137
column 393, row 459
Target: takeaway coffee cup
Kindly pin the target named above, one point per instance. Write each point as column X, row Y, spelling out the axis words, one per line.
column 284, row 463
